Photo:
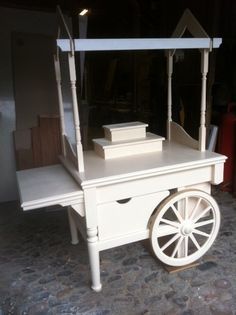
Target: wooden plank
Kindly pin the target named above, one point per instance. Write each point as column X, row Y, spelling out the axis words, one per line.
column 23, row 150
column 50, row 140
column 24, row 159
column 172, row 269
column 36, row 146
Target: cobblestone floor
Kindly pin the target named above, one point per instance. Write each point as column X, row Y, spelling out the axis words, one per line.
column 42, row 273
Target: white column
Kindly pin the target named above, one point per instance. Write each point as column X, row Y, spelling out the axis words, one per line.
column 73, row 227
column 60, row 101
column 94, row 259
column 169, row 92
column 202, row 129
column 92, row 236
column 79, row 149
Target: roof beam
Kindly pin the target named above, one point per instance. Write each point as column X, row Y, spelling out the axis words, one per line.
column 139, row 44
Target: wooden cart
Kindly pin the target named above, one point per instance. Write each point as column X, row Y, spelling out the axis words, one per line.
column 134, row 185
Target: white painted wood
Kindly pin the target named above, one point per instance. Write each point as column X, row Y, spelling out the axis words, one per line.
column 114, row 218
column 187, row 167
column 93, row 251
column 178, row 134
column 79, row 209
column 70, row 153
column 60, row 102
column 71, row 168
column 125, row 131
column 110, row 150
column 152, row 184
column 63, row 26
column 73, row 227
column 202, row 129
column 185, row 228
column 190, row 203
column 80, row 223
column 217, row 174
column 98, row 209
column 206, row 187
column 169, row 93
column 91, row 208
column 124, row 239
column 138, row 44
column 79, row 148
column 47, row 186
column 216, row 42
column 174, row 157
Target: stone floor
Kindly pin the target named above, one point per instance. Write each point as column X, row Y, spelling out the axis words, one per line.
column 42, row 273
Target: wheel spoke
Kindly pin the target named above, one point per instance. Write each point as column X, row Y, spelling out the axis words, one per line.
column 186, row 246
column 186, row 208
column 195, row 209
column 195, row 242
column 166, row 229
column 177, row 246
column 202, row 214
column 176, row 212
column 172, row 240
column 202, row 223
column 169, row 222
column 201, row 233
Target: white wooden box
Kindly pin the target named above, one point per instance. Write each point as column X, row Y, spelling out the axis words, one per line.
column 109, row 150
column 124, row 217
column 125, row 131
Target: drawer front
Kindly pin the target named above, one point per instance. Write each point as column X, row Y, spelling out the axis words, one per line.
column 154, row 184
column 123, row 217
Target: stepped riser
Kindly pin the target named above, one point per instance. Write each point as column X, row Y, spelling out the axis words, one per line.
column 125, row 131
column 128, row 150
column 121, row 135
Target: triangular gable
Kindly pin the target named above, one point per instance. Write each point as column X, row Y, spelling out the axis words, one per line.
column 189, row 22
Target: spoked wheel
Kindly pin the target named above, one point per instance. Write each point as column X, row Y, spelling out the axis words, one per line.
column 184, row 227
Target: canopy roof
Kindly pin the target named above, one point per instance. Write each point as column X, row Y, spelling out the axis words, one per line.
column 138, row 44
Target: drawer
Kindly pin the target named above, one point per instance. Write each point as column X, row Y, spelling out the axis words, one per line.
column 153, row 184
column 122, row 217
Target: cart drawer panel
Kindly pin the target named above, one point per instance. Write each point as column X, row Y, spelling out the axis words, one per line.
column 127, row 216
column 154, row 184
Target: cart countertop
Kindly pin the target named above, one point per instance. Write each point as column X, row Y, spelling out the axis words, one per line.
column 173, row 157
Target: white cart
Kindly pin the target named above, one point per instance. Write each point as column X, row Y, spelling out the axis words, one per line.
column 134, row 185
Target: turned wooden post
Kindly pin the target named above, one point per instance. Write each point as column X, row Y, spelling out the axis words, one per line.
column 79, row 148
column 60, row 101
column 202, row 129
column 169, row 92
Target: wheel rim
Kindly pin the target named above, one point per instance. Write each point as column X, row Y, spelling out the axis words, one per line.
column 184, row 227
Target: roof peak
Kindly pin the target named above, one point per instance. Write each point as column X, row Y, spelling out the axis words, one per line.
column 189, row 22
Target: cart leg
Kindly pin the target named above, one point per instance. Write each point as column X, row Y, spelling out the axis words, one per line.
column 94, row 259
column 73, row 228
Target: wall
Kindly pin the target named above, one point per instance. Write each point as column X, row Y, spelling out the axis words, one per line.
column 12, row 20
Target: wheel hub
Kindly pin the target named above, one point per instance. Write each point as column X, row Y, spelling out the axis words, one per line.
column 186, row 228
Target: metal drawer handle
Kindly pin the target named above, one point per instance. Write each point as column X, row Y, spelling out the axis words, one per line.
column 123, row 200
